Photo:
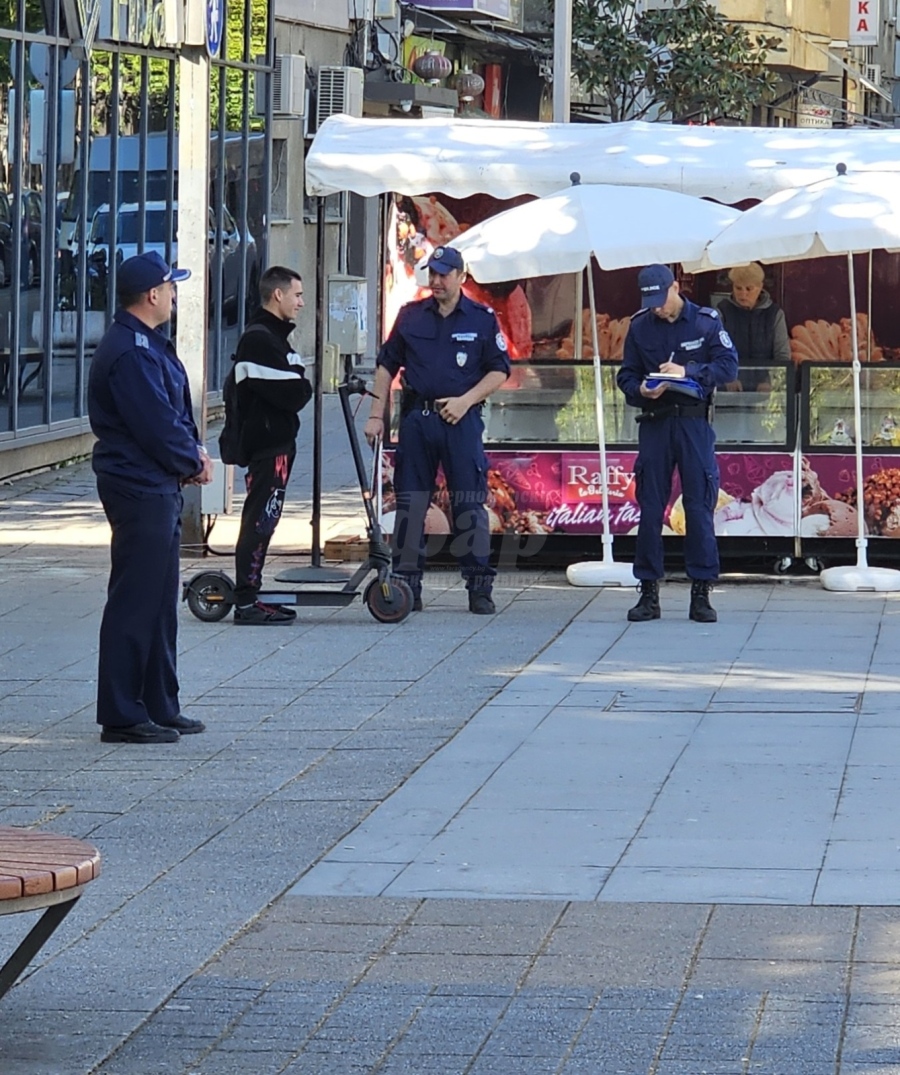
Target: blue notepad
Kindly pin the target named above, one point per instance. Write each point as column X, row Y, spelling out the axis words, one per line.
column 686, row 385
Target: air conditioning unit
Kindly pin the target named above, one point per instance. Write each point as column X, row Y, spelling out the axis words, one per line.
column 873, row 73
column 340, row 89
column 288, row 89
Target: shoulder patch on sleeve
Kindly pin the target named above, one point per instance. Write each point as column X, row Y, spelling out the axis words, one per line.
column 501, row 341
column 725, row 339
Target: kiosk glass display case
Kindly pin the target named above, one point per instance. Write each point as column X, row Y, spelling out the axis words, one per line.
column 554, row 403
column 828, row 406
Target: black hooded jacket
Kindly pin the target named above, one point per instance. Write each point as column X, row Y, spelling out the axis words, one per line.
column 271, row 388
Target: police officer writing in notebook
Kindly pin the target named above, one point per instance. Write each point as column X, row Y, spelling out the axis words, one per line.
column 672, row 335
column 454, row 357
column 147, row 448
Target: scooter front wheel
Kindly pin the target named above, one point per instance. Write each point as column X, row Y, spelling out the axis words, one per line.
column 210, row 596
column 390, row 601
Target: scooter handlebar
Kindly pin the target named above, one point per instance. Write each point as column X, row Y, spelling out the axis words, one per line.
column 355, row 386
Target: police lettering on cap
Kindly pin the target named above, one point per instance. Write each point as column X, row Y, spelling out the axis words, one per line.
column 445, row 259
column 654, row 282
column 146, row 271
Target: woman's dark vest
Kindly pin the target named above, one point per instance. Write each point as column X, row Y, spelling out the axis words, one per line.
column 753, row 332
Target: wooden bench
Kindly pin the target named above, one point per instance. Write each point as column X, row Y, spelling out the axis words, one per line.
column 40, row 870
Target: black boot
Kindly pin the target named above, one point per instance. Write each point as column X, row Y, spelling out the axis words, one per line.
column 701, row 610
column 647, row 607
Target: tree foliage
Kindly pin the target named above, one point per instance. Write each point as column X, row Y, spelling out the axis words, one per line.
column 679, row 63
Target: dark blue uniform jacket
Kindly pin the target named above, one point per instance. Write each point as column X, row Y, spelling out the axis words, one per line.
column 139, row 405
column 697, row 340
column 444, row 356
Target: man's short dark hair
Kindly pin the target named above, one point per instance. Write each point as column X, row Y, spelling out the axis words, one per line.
column 127, row 299
column 276, row 278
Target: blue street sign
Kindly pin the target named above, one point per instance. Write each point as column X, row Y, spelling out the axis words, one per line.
column 215, row 25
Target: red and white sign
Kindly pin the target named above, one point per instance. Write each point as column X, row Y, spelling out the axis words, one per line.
column 865, row 24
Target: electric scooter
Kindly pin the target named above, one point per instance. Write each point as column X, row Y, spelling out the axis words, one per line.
column 210, row 594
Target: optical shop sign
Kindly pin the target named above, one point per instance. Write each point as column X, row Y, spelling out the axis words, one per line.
column 864, row 22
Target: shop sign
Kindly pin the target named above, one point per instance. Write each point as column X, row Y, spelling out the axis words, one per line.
column 139, row 22
column 864, row 23
column 82, row 18
column 810, row 114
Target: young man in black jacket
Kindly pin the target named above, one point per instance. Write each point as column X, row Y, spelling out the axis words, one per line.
column 271, row 389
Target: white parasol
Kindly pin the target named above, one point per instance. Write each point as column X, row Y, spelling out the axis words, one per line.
column 620, row 227
column 842, row 215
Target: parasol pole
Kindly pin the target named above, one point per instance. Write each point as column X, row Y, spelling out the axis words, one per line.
column 860, row 577
column 606, row 572
column 861, row 539
column 317, row 571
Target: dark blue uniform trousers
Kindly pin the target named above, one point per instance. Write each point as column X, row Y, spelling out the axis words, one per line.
column 137, row 680
column 426, row 440
column 689, row 444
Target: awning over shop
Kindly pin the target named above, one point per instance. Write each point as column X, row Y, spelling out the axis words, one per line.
column 459, row 157
column 427, row 23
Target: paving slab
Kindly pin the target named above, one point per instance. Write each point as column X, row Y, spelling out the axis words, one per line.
column 511, row 844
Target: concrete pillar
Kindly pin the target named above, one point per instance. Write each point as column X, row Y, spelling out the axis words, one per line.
column 562, row 60
column 193, row 250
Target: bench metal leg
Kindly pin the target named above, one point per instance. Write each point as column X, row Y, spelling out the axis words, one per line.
column 37, row 937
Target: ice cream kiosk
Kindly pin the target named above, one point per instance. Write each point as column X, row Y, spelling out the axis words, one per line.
column 785, row 433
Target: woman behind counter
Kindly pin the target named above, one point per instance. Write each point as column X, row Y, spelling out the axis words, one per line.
column 756, row 325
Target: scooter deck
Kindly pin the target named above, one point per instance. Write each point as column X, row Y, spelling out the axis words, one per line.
column 310, row 574
column 310, row 598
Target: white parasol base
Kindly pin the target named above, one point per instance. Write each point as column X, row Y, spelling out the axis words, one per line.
column 601, row 573
column 859, row 578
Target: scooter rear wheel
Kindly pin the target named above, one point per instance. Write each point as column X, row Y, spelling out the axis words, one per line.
column 210, row 596
column 392, row 607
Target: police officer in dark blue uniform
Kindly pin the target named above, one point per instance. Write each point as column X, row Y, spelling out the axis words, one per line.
column 672, row 335
column 147, row 448
column 454, row 356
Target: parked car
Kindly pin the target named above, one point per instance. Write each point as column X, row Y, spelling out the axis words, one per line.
column 32, row 228
column 32, row 231
column 155, row 235
column 6, row 239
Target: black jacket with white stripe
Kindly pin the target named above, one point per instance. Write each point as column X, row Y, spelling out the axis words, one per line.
column 271, row 387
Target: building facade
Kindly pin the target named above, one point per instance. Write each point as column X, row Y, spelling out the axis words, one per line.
column 99, row 159
column 181, row 126
column 835, row 59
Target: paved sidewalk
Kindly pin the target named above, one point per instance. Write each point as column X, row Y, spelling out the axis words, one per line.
column 545, row 841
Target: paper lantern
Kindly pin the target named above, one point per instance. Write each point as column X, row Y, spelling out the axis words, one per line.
column 432, row 66
column 469, row 85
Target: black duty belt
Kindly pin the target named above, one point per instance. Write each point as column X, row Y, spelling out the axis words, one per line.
column 411, row 402
column 694, row 408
